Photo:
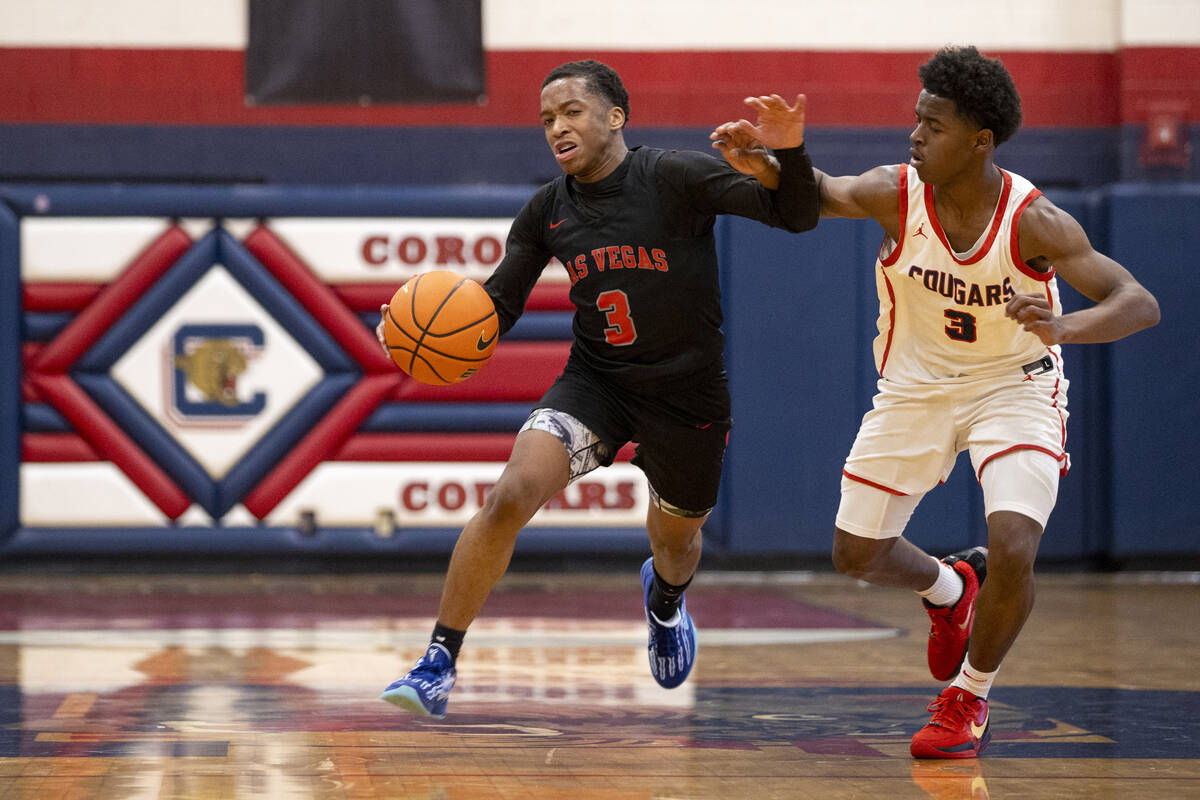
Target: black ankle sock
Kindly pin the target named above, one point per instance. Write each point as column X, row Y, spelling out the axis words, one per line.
column 664, row 597
column 448, row 638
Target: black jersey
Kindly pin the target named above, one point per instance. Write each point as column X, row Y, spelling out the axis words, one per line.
column 639, row 249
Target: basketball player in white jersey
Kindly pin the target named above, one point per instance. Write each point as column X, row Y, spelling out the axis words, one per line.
column 969, row 359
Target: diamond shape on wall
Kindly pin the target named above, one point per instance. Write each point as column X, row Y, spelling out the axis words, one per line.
column 216, row 371
column 221, row 476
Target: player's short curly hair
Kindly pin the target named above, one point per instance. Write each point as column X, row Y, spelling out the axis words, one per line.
column 980, row 87
column 601, row 80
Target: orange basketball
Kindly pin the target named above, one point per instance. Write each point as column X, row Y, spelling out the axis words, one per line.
column 440, row 327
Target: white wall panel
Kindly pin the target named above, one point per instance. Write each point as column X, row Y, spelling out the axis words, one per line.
column 208, row 24
column 100, row 495
column 658, row 25
column 84, row 249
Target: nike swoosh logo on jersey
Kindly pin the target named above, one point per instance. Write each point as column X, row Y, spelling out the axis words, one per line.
column 483, row 344
column 554, row 225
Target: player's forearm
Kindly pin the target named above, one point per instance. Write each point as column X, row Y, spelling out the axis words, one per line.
column 837, row 197
column 509, row 286
column 1126, row 311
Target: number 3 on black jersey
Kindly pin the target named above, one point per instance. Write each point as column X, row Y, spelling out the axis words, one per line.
column 615, row 306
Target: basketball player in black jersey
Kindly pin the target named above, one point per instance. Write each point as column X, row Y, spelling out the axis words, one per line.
column 634, row 229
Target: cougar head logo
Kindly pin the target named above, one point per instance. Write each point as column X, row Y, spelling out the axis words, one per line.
column 213, row 368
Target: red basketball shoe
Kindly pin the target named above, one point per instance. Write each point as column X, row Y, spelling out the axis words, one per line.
column 950, row 626
column 958, row 729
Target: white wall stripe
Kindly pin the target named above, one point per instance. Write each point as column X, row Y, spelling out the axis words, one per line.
column 210, row 24
column 803, row 25
column 1068, row 25
column 1160, row 23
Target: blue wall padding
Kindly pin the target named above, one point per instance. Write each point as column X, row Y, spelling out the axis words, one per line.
column 42, row 326
column 499, row 156
column 541, row 326
column 450, row 417
column 1155, row 379
column 796, row 346
column 10, row 371
column 43, row 418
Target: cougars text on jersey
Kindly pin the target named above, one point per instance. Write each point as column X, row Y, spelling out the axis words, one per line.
column 959, row 291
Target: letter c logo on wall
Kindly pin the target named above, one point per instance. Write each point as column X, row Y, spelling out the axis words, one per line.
column 208, row 361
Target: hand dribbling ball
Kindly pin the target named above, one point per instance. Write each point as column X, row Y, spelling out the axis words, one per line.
column 440, row 327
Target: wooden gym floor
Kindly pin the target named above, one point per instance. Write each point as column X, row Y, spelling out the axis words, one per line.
column 807, row 686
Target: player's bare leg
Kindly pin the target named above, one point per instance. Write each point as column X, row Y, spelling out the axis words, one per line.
column 676, row 542
column 538, row 468
column 894, row 561
column 948, row 587
column 1007, row 596
column 960, row 727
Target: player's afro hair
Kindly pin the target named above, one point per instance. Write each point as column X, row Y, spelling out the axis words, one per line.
column 601, row 80
column 980, row 87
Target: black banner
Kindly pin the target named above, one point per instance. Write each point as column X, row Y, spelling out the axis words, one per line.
column 364, row 52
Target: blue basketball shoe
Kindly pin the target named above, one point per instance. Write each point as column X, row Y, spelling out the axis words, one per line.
column 672, row 643
column 426, row 686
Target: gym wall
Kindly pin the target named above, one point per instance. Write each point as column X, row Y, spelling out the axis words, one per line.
column 125, row 442
column 147, row 207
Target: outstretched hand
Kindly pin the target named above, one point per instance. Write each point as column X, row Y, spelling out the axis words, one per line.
column 779, row 126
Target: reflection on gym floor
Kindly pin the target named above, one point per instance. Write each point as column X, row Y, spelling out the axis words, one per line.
column 807, row 685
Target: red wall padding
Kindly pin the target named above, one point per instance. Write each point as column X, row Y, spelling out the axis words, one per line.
column 206, row 87
column 518, row 372
column 435, row 447
column 370, row 296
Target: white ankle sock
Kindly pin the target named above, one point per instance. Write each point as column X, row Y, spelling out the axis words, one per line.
column 948, row 587
column 975, row 681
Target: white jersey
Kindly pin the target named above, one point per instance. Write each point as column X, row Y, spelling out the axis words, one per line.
column 941, row 313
